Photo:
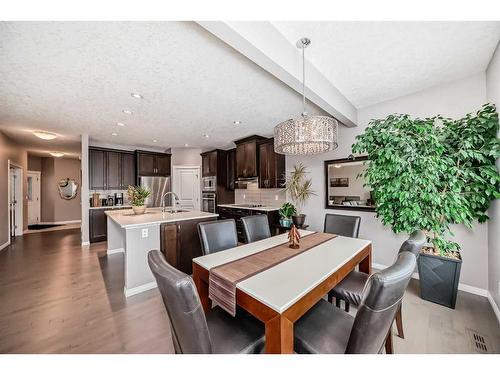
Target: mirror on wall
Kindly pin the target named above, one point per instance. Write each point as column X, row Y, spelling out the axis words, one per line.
column 344, row 185
column 67, row 188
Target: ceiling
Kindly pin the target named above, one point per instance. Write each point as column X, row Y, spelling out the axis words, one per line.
column 371, row 62
column 73, row 78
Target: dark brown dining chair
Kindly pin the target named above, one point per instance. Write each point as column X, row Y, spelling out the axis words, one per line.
column 255, row 228
column 193, row 331
column 328, row 330
column 343, row 225
column 350, row 289
column 217, row 235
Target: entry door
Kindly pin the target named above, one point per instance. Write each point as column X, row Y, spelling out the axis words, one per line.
column 186, row 184
column 33, row 197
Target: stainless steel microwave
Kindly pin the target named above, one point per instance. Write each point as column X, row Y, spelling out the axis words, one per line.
column 209, row 183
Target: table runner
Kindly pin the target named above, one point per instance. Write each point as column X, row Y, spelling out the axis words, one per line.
column 223, row 278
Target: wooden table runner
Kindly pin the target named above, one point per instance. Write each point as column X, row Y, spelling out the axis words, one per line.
column 223, row 278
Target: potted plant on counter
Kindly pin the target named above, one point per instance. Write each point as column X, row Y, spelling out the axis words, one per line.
column 428, row 174
column 286, row 212
column 137, row 196
column 300, row 190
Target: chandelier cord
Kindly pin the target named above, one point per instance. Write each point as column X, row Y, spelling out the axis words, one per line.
column 303, row 81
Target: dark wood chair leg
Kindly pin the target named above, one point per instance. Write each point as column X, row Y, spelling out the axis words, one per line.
column 346, row 306
column 330, row 297
column 399, row 323
column 337, row 302
column 389, row 349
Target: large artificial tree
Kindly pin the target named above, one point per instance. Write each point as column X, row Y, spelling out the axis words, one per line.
column 430, row 173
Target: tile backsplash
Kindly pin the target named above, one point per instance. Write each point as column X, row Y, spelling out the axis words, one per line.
column 266, row 197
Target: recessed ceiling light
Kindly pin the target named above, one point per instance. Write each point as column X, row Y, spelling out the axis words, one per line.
column 186, row 145
column 114, row 134
column 127, row 112
column 57, row 154
column 45, row 135
column 236, row 122
column 206, row 135
column 137, row 96
column 120, row 124
column 155, row 140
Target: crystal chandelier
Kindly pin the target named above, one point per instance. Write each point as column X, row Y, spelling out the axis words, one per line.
column 305, row 135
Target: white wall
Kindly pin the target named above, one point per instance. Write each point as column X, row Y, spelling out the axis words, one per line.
column 186, row 156
column 452, row 100
column 493, row 94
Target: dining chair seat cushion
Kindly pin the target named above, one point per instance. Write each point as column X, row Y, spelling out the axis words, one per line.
column 350, row 289
column 232, row 335
column 324, row 329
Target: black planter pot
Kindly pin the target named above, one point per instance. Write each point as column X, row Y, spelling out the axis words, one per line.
column 299, row 220
column 439, row 278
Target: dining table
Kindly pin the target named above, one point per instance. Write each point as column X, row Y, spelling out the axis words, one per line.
column 280, row 294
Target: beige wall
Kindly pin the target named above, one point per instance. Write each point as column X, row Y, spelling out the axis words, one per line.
column 34, row 163
column 493, row 93
column 54, row 208
column 454, row 99
column 10, row 150
column 186, row 156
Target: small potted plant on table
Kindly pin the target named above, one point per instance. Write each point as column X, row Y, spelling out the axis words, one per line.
column 428, row 174
column 137, row 196
column 300, row 190
column 286, row 212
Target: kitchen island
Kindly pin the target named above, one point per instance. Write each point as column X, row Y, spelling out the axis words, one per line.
column 135, row 235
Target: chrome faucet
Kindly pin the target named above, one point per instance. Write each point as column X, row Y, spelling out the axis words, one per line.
column 172, row 210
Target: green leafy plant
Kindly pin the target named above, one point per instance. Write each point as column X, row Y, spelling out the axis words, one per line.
column 287, row 210
column 431, row 173
column 137, row 195
column 298, row 186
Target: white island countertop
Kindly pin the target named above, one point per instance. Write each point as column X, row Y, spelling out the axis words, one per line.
column 154, row 216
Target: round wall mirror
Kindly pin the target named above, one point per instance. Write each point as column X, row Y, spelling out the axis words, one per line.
column 67, row 188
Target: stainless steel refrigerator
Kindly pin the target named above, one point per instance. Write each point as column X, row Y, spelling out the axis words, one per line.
column 158, row 187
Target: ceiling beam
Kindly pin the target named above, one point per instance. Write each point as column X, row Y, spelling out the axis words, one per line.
column 262, row 43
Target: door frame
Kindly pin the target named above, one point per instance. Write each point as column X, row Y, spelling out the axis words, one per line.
column 19, row 193
column 181, row 167
column 39, row 203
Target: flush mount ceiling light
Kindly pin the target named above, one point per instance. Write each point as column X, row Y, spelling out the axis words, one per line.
column 120, row 124
column 186, row 145
column 127, row 112
column 45, row 135
column 114, row 134
column 57, row 154
column 306, row 135
column 155, row 140
column 337, row 166
column 137, row 96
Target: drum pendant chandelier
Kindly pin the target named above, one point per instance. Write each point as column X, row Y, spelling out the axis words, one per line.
column 306, row 135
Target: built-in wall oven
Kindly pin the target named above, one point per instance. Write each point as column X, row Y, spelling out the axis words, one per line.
column 209, row 183
column 208, row 201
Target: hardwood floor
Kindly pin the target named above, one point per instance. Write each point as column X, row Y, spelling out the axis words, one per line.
column 56, row 297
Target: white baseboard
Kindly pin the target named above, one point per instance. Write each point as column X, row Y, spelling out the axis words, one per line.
column 4, row 245
column 59, row 222
column 85, row 243
column 116, row 251
column 494, row 306
column 139, row 289
column 463, row 287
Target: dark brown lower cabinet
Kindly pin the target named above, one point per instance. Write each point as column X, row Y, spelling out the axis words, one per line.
column 98, row 225
column 238, row 213
column 180, row 243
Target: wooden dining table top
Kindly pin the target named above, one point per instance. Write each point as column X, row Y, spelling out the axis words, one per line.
column 282, row 285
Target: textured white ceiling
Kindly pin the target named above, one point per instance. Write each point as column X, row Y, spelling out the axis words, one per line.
column 74, row 78
column 371, row 62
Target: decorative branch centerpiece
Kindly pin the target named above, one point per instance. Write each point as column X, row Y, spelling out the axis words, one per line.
column 428, row 174
column 137, row 196
column 294, row 238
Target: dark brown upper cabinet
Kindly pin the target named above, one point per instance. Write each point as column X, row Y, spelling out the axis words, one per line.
column 111, row 169
column 209, row 163
column 271, row 166
column 231, row 169
column 153, row 164
column 247, row 157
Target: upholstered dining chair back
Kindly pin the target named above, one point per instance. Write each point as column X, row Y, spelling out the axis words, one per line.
column 343, row 225
column 382, row 296
column 188, row 324
column 255, row 227
column 414, row 243
column 217, row 235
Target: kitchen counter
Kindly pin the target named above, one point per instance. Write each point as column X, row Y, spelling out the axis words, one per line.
column 154, row 216
column 243, row 207
column 110, row 207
